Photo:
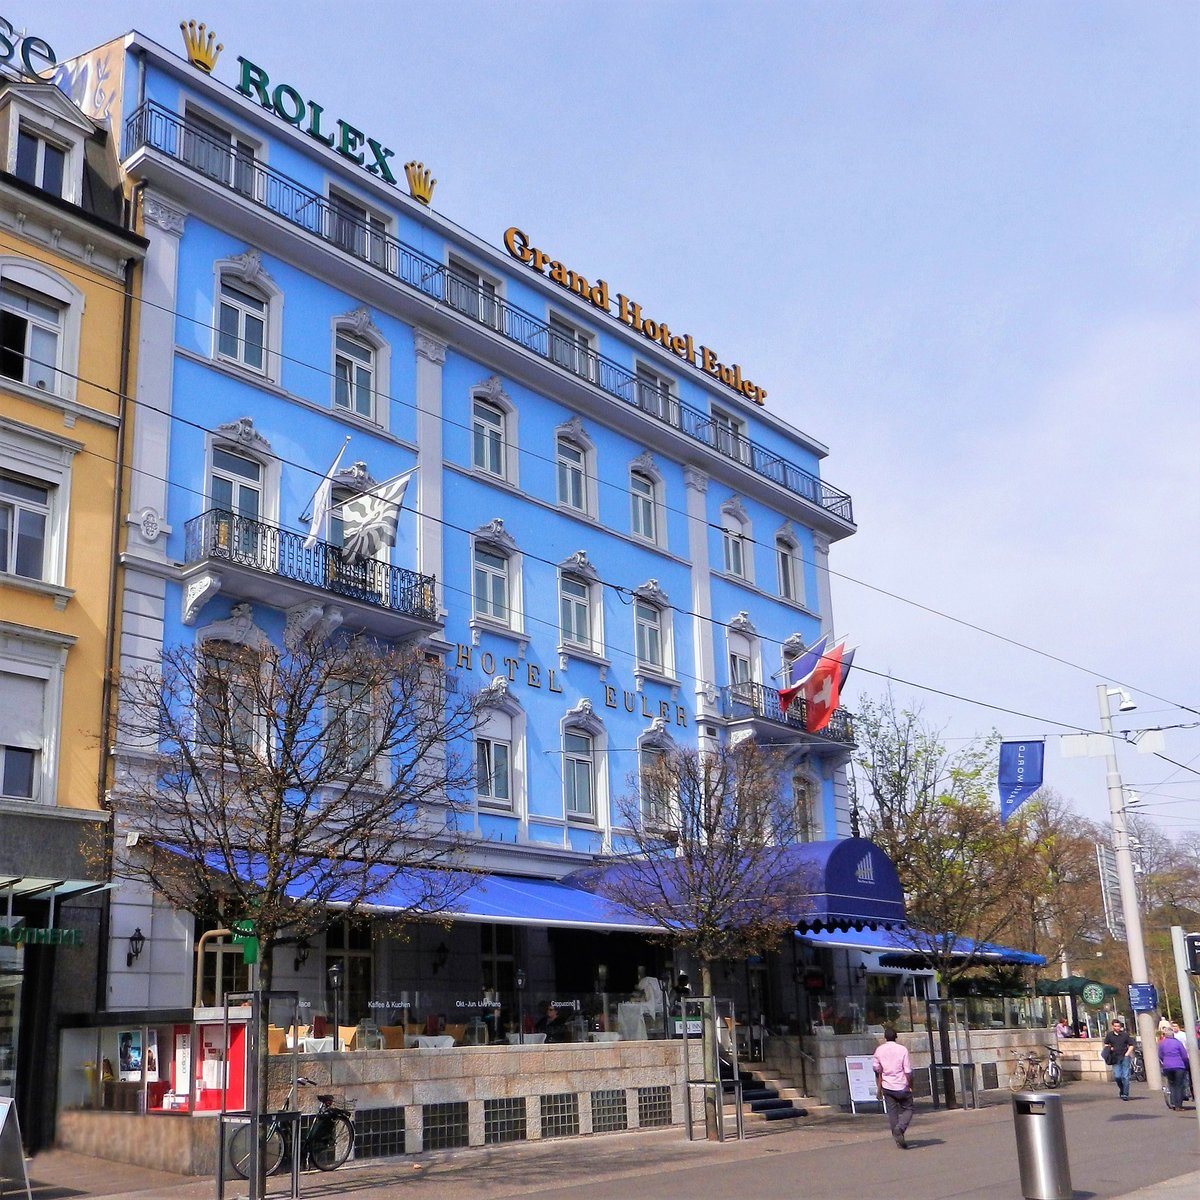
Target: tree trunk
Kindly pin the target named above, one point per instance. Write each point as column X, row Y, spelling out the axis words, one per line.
column 713, row 1097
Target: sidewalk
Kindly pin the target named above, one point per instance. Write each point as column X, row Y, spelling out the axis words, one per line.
column 1116, row 1150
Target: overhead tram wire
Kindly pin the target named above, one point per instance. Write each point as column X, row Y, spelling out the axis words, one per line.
column 448, row 421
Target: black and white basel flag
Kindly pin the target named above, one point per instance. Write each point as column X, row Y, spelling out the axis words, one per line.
column 369, row 521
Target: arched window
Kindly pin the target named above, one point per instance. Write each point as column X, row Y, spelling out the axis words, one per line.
column 652, row 628
column 499, row 750
column 580, row 610
column 742, row 643
column 360, row 367
column 789, row 565
column 39, row 327
column 493, row 431
column 806, row 802
column 584, row 743
column 249, row 310
column 737, row 541
column 646, row 509
column 576, row 468
column 496, row 577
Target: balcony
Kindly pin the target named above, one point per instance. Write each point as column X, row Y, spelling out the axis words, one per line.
column 255, row 561
column 758, row 706
column 192, row 147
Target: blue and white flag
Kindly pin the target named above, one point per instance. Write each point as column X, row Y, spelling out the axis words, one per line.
column 369, row 521
column 1020, row 774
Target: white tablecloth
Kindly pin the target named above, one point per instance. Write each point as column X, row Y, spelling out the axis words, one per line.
column 427, row 1041
column 531, row 1039
column 604, row 1036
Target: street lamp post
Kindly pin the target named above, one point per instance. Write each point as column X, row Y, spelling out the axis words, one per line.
column 1146, row 1027
column 335, row 983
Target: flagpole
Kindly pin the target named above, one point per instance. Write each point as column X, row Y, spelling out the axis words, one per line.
column 379, row 486
column 304, row 516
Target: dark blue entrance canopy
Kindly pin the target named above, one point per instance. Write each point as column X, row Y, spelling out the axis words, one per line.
column 846, row 884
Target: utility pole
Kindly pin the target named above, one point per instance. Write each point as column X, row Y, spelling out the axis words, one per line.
column 1146, row 1026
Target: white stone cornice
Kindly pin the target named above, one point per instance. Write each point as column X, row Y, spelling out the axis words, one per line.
column 694, row 479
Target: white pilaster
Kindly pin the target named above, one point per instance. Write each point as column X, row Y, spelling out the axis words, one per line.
column 702, row 626
column 431, row 355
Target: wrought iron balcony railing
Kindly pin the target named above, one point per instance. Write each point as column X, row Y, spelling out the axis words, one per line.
column 746, row 700
column 246, row 542
column 196, row 148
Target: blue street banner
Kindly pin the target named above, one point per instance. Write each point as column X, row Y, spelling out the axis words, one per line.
column 1020, row 774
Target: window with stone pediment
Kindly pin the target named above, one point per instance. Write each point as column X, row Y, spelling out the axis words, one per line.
column 584, row 743
column 580, row 607
column 496, row 576
column 248, row 313
column 40, row 313
column 737, row 541
column 653, row 640
column 494, row 431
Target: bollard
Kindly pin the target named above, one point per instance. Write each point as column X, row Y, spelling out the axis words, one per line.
column 1042, row 1146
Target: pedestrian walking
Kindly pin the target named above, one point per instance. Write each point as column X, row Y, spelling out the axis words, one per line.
column 893, row 1079
column 1173, row 1059
column 1118, row 1046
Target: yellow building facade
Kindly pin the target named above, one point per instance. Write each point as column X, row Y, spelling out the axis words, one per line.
column 67, row 271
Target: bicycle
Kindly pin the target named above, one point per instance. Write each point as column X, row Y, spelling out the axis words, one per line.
column 1137, row 1065
column 326, row 1140
column 1052, row 1072
column 1028, row 1072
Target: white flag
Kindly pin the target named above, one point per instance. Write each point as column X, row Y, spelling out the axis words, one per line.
column 322, row 502
column 369, row 521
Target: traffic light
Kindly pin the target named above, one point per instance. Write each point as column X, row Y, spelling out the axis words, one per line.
column 1191, row 949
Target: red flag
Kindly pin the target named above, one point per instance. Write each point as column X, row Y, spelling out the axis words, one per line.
column 823, row 690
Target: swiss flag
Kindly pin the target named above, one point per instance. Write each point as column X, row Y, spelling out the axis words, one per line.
column 823, row 689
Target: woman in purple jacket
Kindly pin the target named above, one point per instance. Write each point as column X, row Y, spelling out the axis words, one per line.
column 1172, row 1057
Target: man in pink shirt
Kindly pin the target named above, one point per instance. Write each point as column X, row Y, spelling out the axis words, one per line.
column 893, row 1078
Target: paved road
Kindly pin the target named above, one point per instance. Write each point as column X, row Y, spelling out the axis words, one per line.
column 1115, row 1150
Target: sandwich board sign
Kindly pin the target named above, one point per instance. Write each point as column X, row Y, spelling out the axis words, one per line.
column 13, row 1180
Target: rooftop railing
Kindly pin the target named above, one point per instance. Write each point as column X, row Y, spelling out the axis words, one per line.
column 340, row 223
column 743, row 700
column 246, row 542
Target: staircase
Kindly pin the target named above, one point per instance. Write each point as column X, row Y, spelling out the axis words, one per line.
column 763, row 1099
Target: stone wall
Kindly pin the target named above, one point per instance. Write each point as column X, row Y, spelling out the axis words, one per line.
column 533, row 1091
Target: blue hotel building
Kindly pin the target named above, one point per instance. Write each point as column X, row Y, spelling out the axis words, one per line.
column 610, row 527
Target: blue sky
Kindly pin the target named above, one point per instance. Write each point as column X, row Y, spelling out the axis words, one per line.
column 958, row 243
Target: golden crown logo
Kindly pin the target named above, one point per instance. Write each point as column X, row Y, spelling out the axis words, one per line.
column 199, row 44
column 420, row 185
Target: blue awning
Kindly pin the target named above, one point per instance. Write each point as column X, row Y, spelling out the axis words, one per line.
column 846, row 884
column 898, row 947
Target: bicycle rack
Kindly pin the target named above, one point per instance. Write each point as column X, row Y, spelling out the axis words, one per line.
column 289, row 1119
column 700, row 1019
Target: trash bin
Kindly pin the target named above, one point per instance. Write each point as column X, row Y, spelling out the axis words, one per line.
column 1042, row 1146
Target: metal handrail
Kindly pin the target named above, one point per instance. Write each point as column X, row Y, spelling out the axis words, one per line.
column 154, row 127
column 756, row 699
column 248, row 542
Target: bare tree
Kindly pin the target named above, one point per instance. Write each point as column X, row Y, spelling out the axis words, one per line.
column 289, row 786
column 711, row 858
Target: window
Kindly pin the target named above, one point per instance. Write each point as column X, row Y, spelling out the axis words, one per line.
column 223, row 968
column 471, row 294
column 31, row 327
column 579, row 777
column 730, row 433
column 654, row 393
column 228, row 710
column 216, row 152
column 32, row 668
column 242, row 327
column 235, row 487
column 24, row 514
column 17, row 772
column 40, row 162
column 652, row 787
column 643, row 496
column 491, row 585
column 804, row 798
column 572, row 348
column 571, row 476
column 649, row 638
column 789, row 565
column 355, row 229
column 350, row 729
column 348, row 944
column 354, row 375
column 493, row 772
column 735, row 551
column 576, row 611
column 740, row 668
column 488, row 424
column 736, row 540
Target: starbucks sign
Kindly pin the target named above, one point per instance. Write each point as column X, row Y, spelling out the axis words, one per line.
column 1093, row 994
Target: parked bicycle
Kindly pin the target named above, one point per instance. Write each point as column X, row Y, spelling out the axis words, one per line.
column 1137, row 1065
column 1028, row 1072
column 1052, row 1072
column 326, row 1138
